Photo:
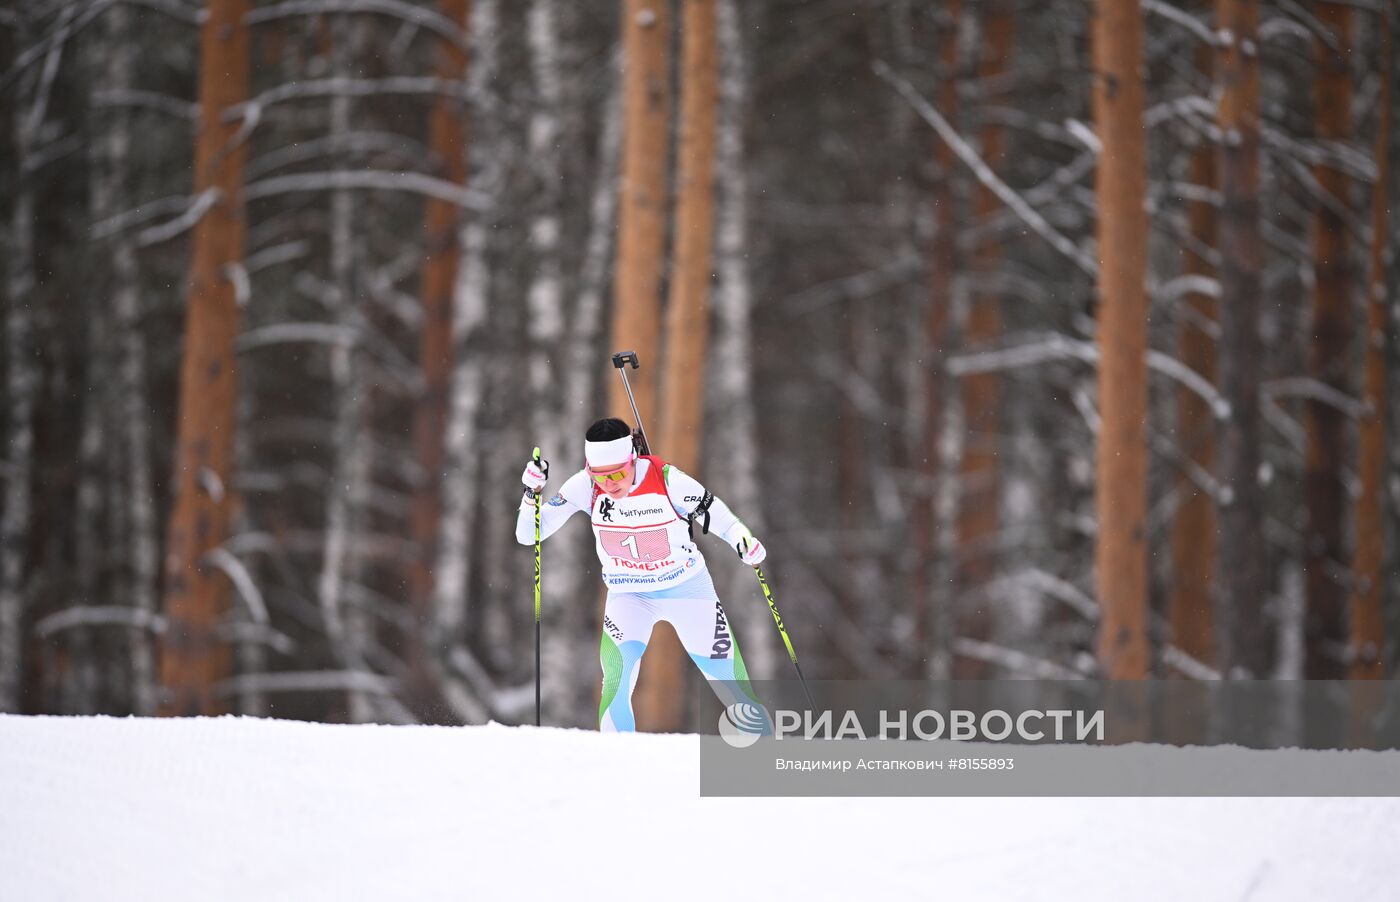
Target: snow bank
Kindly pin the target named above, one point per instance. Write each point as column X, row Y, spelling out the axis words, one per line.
column 241, row 808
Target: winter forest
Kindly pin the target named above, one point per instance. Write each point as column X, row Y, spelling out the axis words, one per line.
column 1034, row 339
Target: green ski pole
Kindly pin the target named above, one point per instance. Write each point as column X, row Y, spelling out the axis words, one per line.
column 545, row 468
column 778, row 619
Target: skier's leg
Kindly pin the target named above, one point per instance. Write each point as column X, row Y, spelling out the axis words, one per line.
column 627, row 624
column 703, row 628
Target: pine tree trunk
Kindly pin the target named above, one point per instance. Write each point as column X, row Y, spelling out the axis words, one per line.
column 447, row 144
column 195, row 595
column 687, row 324
column 636, row 325
column 1324, row 492
column 979, row 502
column 1243, row 631
column 1367, row 657
column 1190, row 607
column 1120, row 557
column 646, row 35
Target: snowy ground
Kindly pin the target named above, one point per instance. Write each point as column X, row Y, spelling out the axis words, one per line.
column 237, row 808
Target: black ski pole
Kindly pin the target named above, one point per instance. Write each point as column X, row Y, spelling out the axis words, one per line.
column 620, row 360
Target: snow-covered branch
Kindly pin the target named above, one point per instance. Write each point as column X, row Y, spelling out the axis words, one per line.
column 147, row 100
column 99, row 615
column 1016, row 662
column 242, row 580
column 1304, row 387
column 1188, row 666
column 984, row 173
column 183, row 223
column 1061, row 590
column 1182, row 18
column 367, row 179
column 164, row 206
column 421, row 16
column 1059, row 347
column 284, row 333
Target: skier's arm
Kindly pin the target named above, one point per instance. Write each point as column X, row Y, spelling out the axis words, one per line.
column 687, row 494
column 572, row 498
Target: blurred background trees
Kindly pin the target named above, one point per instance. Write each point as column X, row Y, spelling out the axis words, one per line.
column 1020, row 365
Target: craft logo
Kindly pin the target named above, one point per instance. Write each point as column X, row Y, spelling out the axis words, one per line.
column 606, row 509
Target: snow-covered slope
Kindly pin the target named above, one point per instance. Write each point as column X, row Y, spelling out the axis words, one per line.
column 238, row 808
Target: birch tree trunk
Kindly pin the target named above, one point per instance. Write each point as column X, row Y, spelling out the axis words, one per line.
column 103, row 534
column 447, row 144
column 687, row 324
column 932, row 623
column 1120, row 556
column 544, row 297
column 21, row 388
column 1324, row 492
column 572, row 648
column 979, row 503
column 735, row 446
column 345, row 496
column 1367, row 657
column 636, row 320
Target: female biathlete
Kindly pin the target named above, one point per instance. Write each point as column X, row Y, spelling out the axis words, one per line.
column 644, row 512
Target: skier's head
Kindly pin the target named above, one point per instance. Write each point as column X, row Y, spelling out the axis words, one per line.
column 610, row 452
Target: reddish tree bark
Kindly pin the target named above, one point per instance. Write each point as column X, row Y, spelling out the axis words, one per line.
column 1190, row 607
column 447, row 141
column 636, row 317
column 687, row 320
column 1240, row 549
column 978, row 506
column 1323, row 491
column 1367, row 620
column 1120, row 554
column 192, row 660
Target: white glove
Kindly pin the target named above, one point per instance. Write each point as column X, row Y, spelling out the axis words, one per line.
column 536, row 475
column 751, row 550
